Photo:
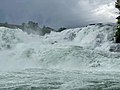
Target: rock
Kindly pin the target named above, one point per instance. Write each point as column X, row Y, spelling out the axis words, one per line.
column 30, row 27
column 61, row 29
column 46, row 30
column 115, row 48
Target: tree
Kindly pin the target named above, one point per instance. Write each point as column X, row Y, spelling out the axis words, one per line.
column 117, row 5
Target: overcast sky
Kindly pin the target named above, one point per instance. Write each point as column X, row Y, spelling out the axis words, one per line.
column 57, row 13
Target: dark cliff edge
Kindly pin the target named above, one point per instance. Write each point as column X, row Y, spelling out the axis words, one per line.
column 12, row 26
column 30, row 27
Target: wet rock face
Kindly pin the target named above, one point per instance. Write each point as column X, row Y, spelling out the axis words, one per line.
column 70, row 36
column 30, row 27
column 46, row 30
column 12, row 26
column 115, row 48
column 61, row 29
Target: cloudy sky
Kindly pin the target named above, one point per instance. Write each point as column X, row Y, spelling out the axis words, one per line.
column 57, row 13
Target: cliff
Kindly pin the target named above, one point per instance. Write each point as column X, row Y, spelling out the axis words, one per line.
column 30, row 27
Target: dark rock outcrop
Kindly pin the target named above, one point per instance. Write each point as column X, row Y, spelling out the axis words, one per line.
column 46, row 30
column 115, row 48
column 10, row 25
column 61, row 29
column 30, row 27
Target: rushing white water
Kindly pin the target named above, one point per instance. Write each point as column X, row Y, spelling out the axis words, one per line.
column 66, row 60
column 73, row 48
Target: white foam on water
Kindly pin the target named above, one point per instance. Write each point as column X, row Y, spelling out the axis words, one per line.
column 84, row 48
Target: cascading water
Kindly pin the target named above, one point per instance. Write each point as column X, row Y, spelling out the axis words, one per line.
column 74, row 59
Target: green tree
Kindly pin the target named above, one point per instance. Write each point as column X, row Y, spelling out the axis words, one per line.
column 117, row 5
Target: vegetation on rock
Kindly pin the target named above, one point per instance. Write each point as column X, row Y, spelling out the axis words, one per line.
column 117, row 5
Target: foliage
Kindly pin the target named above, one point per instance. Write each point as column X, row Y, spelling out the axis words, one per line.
column 117, row 36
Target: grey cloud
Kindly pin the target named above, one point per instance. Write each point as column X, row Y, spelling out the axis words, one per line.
column 54, row 13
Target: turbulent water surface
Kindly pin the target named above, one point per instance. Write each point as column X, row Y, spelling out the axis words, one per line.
column 45, row 79
column 74, row 59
